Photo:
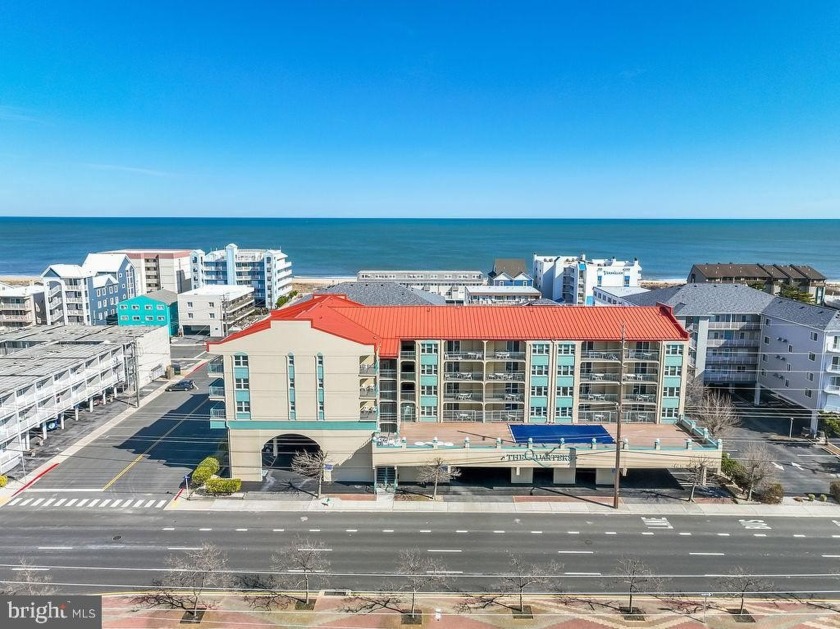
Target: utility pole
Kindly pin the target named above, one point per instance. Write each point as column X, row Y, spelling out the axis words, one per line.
column 137, row 373
column 618, row 443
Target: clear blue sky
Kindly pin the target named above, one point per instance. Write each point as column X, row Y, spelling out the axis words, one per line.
column 423, row 108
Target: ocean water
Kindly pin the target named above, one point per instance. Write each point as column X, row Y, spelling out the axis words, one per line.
column 325, row 247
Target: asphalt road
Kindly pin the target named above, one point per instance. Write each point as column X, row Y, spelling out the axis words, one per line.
column 101, row 551
column 147, row 454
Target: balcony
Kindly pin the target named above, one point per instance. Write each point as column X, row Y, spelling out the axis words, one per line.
column 834, row 389
column 463, row 396
column 516, row 376
column 597, row 416
column 634, row 354
column 833, row 367
column 637, row 398
column 408, row 355
column 217, row 411
column 592, row 376
column 216, row 367
column 734, row 325
column 834, row 347
column 463, row 375
column 408, row 376
column 506, row 397
column 388, row 373
column 387, row 395
column 505, row 355
column 599, row 398
column 611, row 356
column 641, row 377
column 732, row 342
column 367, row 413
column 473, row 355
column 638, row 416
column 369, row 392
column 216, row 389
column 367, row 369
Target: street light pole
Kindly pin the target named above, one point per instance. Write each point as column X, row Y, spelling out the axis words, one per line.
column 617, row 475
column 790, row 432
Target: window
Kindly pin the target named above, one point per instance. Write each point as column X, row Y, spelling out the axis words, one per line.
column 810, row 377
column 240, row 360
column 670, row 413
column 565, row 370
column 767, row 322
column 766, row 340
column 148, row 307
column 540, row 349
column 812, row 356
column 243, row 406
column 161, row 318
column 540, row 391
column 790, row 349
column 134, row 318
column 674, row 350
column 428, row 348
column 539, row 411
column 564, row 411
column 211, row 304
column 428, row 389
column 566, row 349
column 428, row 411
column 563, row 391
column 319, row 360
column 149, row 318
column 135, row 307
column 672, row 370
column 788, row 367
column 763, row 372
column 539, row 370
column 189, row 304
column 241, row 384
column 671, row 392
column 428, row 370
column 123, row 317
column 813, row 336
column 787, row 382
column 808, row 393
column 764, row 358
column 212, row 315
column 160, row 307
column 189, row 315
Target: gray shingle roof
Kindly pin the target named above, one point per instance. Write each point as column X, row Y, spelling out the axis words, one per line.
column 692, row 300
column 384, row 294
column 166, row 296
column 818, row 317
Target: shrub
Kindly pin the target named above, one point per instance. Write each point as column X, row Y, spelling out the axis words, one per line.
column 3, row 481
column 728, row 464
column 212, row 462
column 834, row 490
column 772, row 494
column 811, row 497
column 222, row 486
column 201, row 475
column 823, row 498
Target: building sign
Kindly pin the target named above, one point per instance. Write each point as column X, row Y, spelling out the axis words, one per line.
column 530, row 455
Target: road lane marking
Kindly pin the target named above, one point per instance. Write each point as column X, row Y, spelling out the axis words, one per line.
column 205, row 529
column 685, row 533
column 648, row 533
column 798, row 535
column 168, row 528
column 140, row 456
column 278, row 530
column 160, row 504
column 609, row 532
column 55, row 548
column 93, row 502
column 149, row 504
column 314, row 530
column 707, row 554
column 184, row 548
column 37, row 502
column 573, row 532
column 315, row 550
column 657, row 523
column 49, row 502
column 116, row 503
column 835, row 536
column 71, row 502
column 241, row 530
column 26, row 502
column 759, row 534
column 831, row 556
column 425, row 530
column 15, row 501
column 797, row 465
column 29, row 568
column 351, row 530
column 105, row 502
column 583, row 574
column 723, row 534
column 780, row 467
column 755, row 524
column 83, row 502
column 60, row 502
column 387, row 530
column 461, row 531
column 138, row 503
column 444, row 572
column 536, row 532
column 443, row 550
column 575, row 552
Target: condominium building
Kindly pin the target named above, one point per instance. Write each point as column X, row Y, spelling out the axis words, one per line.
column 49, row 373
column 572, row 279
column 451, row 285
column 158, row 308
column 21, row 306
column 501, row 294
column 160, row 269
column 215, row 310
column 767, row 277
column 88, row 294
column 367, row 383
column 267, row 271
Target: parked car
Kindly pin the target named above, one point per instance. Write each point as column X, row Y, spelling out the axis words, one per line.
column 183, row 385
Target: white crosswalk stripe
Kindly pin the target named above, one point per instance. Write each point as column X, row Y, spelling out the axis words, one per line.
column 88, row 503
column 657, row 523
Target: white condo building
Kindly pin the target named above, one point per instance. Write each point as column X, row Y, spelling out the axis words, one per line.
column 268, row 271
column 160, row 269
column 21, row 306
column 573, row 279
column 215, row 310
column 451, row 285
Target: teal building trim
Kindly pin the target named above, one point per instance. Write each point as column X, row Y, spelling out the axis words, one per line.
column 143, row 310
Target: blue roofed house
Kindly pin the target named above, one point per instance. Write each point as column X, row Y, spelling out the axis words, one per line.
column 158, row 308
column 88, row 294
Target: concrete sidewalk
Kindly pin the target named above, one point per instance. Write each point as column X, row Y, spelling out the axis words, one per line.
column 385, row 503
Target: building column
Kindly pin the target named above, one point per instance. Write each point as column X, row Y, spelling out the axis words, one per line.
column 757, row 395
column 61, row 420
column 75, row 413
column 522, row 475
column 815, row 421
column 43, row 432
column 564, row 476
column 604, row 476
column 104, row 397
column 90, row 405
column 274, row 446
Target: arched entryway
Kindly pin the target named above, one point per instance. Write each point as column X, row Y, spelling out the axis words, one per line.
column 277, row 454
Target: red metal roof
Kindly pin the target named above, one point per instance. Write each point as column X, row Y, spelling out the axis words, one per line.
column 385, row 326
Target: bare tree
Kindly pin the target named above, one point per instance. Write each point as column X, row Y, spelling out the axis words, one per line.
column 739, row 582
column 695, row 390
column 758, row 461
column 696, row 474
column 190, row 575
column 519, row 577
column 437, row 472
column 304, row 563
column 636, row 575
column 310, row 465
column 29, row 581
column 417, row 572
column 717, row 413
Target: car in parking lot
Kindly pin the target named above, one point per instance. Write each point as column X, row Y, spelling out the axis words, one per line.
column 183, row 385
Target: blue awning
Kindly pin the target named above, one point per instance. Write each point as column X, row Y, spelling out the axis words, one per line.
column 553, row 433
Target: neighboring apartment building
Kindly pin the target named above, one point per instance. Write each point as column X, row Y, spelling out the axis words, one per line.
column 724, row 321
column 21, row 306
column 49, row 373
column 451, row 285
column 614, row 296
column 88, row 294
column 768, row 277
column 215, row 310
column 267, row 271
column 509, row 272
column 158, row 308
column 382, row 389
column 573, row 279
column 501, row 294
column 800, row 355
column 160, row 269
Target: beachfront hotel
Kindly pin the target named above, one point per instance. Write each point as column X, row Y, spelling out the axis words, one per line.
column 267, row 271
column 384, row 390
column 573, row 279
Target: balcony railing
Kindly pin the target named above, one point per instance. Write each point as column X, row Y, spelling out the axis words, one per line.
column 734, row 325
column 832, row 388
column 467, row 396
column 505, row 355
column 599, row 398
column 408, row 354
column 463, row 375
column 388, row 395
column 602, row 355
column 516, row 376
column 834, row 367
column 506, row 397
column 217, row 411
column 408, row 376
column 591, row 376
column 644, row 398
column 216, row 391
column 367, row 369
column 641, row 377
column 368, row 393
column 408, row 396
column 471, row 355
column 388, row 373
column 216, row 367
column 482, row 416
column 597, row 416
column 635, row 354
